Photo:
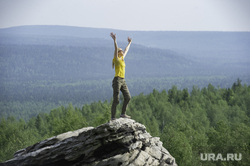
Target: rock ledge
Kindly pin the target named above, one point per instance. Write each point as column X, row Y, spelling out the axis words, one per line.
column 119, row 142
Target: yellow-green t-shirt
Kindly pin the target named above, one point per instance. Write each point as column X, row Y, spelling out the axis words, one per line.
column 119, row 67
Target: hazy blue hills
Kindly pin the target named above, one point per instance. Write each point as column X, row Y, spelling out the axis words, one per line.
column 28, row 55
column 43, row 62
column 87, row 52
column 42, row 67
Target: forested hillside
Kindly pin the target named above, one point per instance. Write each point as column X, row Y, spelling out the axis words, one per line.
column 43, row 67
column 204, row 120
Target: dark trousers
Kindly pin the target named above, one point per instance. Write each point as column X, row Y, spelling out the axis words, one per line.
column 119, row 84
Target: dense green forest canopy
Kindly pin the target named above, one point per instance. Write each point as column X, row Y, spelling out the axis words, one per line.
column 204, row 120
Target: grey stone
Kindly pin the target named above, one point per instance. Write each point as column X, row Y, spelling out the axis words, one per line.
column 121, row 142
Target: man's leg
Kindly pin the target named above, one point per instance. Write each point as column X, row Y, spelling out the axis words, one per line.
column 126, row 95
column 116, row 91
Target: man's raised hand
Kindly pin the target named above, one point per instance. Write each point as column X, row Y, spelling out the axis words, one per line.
column 113, row 35
column 129, row 40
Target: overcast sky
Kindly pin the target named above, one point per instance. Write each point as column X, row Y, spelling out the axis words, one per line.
column 177, row 15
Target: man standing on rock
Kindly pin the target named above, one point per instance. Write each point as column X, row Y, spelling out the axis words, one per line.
column 119, row 83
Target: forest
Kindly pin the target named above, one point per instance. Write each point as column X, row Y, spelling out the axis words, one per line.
column 203, row 120
column 27, row 99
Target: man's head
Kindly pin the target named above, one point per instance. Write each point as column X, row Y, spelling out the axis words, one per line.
column 120, row 52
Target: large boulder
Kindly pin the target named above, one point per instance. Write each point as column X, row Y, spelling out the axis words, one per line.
column 119, row 142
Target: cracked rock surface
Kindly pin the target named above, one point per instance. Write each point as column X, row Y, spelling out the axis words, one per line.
column 122, row 142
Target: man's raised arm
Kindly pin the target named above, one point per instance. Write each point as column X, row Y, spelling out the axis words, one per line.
column 127, row 48
column 115, row 43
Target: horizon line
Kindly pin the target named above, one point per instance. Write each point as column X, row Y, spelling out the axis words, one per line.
column 9, row 27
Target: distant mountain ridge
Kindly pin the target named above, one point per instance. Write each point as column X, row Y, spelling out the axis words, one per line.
column 75, row 53
column 201, row 44
column 44, row 52
column 160, row 39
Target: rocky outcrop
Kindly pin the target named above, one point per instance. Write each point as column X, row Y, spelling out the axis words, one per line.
column 119, row 142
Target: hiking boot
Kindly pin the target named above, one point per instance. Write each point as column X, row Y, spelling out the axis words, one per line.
column 125, row 116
